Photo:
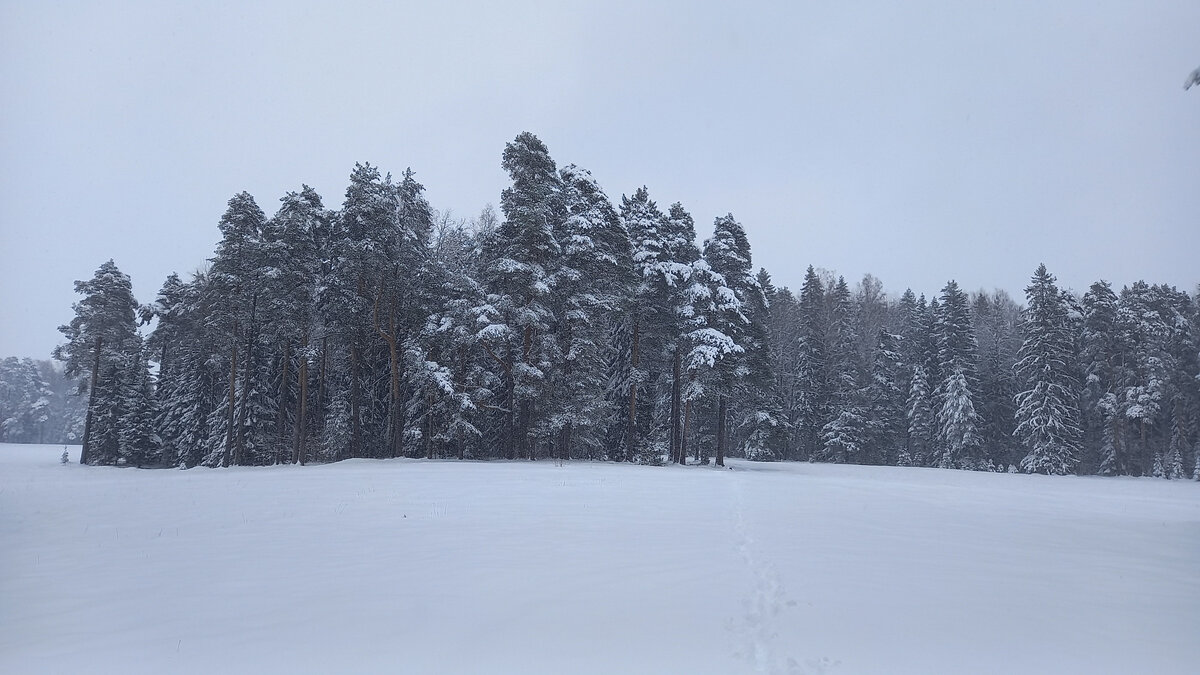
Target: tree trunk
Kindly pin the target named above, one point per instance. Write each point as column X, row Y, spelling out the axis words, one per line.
column 232, row 403
column 85, row 454
column 460, row 388
column 687, row 424
column 321, row 381
column 510, row 391
column 633, row 386
column 526, row 404
column 1145, row 447
column 396, row 422
column 389, row 336
column 302, row 407
column 240, row 448
column 355, row 395
column 677, row 455
column 281, row 422
column 721, row 410
column 429, row 424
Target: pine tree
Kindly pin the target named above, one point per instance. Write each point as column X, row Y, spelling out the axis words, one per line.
column 727, row 254
column 233, row 291
column 292, row 269
column 1147, row 320
column 516, row 320
column 683, row 288
column 593, row 283
column 450, row 332
column 648, row 332
column 100, row 341
column 1047, row 412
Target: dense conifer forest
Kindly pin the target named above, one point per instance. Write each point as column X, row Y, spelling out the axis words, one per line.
column 568, row 326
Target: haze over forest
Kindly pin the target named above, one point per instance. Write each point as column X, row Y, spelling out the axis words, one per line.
column 917, row 144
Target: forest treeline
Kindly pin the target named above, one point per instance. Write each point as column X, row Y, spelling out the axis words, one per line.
column 37, row 403
column 570, row 327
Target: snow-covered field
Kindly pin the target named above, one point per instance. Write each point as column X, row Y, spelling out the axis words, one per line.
column 518, row 567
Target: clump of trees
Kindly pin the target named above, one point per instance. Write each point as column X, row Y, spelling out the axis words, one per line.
column 570, row 326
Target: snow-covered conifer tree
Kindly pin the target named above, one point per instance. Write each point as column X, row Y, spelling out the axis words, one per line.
column 958, row 437
column 516, row 321
column 727, row 254
column 1047, row 409
column 101, row 339
column 957, row 361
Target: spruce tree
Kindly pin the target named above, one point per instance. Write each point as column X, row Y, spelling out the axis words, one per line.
column 1047, row 409
column 814, row 399
column 1104, row 347
column 760, row 404
column 958, row 439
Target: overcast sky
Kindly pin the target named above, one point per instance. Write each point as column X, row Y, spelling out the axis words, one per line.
column 916, row 142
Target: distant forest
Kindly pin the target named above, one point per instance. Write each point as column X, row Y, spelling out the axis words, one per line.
column 569, row 327
column 38, row 403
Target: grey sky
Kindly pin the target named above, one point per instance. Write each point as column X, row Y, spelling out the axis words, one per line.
column 916, row 142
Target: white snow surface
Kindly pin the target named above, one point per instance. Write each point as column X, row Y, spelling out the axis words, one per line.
column 407, row 566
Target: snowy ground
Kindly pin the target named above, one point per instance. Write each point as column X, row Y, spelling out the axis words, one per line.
column 518, row 567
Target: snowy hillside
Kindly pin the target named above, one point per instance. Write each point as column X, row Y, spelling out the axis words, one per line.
column 518, row 567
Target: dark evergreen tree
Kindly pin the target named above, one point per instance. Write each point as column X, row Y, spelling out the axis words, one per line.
column 997, row 321
column 958, row 441
column 814, row 400
column 760, row 406
column 1104, row 352
column 138, row 440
